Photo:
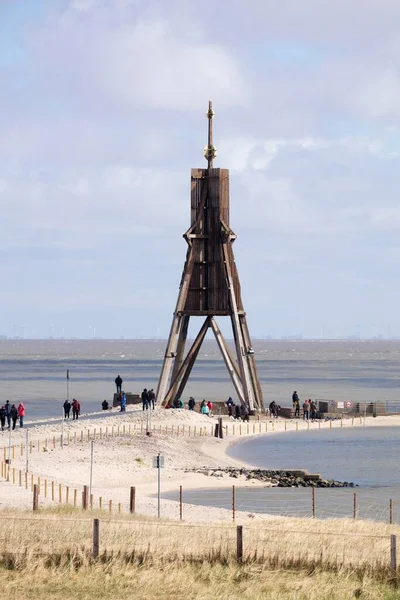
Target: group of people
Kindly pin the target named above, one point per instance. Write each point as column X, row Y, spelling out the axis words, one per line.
column 148, row 399
column 309, row 408
column 11, row 414
column 274, row 409
column 76, row 409
column 238, row 412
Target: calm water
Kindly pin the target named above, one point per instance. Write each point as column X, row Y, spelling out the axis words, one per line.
column 368, row 457
column 35, row 371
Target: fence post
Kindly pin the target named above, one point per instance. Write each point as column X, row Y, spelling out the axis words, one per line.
column 85, row 497
column 393, row 558
column 233, row 503
column 132, row 500
column 354, row 505
column 313, row 502
column 180, row 502
column 390, row 511
column 220, row 430
column 96, row 538
column 35, row 497
column 239, row 543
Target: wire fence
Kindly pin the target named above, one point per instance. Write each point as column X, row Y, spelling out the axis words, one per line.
column 27, row 539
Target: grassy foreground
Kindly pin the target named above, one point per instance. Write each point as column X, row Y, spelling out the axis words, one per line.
column 186, row 582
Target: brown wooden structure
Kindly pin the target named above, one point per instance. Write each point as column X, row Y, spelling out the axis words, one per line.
column 210, row 288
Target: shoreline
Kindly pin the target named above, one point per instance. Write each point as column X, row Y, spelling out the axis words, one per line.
column 126, row 460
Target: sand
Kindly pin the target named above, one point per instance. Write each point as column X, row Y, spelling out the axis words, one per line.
column 127, row 460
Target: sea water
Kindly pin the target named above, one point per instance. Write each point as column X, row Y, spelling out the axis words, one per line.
column 368, row 457
column 34, row 371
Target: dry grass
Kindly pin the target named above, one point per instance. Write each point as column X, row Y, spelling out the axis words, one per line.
column 49, row 555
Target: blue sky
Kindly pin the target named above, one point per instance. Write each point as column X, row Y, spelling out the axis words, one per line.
column 102, row 116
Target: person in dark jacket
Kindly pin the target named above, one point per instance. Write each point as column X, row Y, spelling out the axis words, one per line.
column 191, row 403
column 244, row 411
column 14, row 415
column 118, row 383
column 76, row 409
column 104, row 405
column 152, row 398
column 145, row 399
column 3, row 417
column 8, row 413
column 67, row 409
column 237, row 412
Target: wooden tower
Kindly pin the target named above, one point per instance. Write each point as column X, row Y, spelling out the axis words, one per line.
column 210, row 288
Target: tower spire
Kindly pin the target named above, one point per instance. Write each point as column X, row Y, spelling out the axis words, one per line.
column 210, row 151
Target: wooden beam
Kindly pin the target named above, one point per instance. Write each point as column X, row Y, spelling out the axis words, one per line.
column 180, row 351
column 183, row 373
column 228, row 359
column 258, row 395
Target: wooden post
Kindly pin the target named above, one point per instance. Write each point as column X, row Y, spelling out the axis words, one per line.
column 82, row 435
column 88, row 435
column 118, row 433
column 100, row 503
column 22, row 449
column 52, row 490
column 101, row 433
column 39, row 483
column 75, row 497
column 85, row 497
column 20, row 478
column 67, row 495
column 60, row 493
column 390, row 512
column 45, row 443
column 132, row 500
column 313, row 502
column 239, row 543
column 233, row 503
column 91, row 501
column 393, row 557
column 13, row 475
column 94, row 433
column 74, row 437
column 119, row 507
column 354, row 505
column 35, row 497
column 31, row 478
column 220, row 429
column 123, row 430
column 96, row 537
column 180, row 503
column 54, row 442
column 110, row 506
column 45, row 488
column 330, row 424
column 26, row 480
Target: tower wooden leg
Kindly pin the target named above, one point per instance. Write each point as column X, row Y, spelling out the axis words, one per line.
column 228, row 359
column 258, row 396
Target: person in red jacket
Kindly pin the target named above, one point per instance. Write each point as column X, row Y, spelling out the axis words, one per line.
column 76, row 409
column 21, row 414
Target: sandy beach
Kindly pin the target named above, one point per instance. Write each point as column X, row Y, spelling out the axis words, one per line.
column 123, row 457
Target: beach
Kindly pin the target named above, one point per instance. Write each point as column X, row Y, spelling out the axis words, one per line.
column 123, row 457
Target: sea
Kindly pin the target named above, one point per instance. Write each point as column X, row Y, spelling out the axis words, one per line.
column 35, row 371
column 365, row 456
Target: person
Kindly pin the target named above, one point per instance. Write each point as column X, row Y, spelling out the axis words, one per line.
column 14, row 415
column 277, row 410
column 209, row 404
column 237, row 412
column 295, row 398
column 297, row 408
column 313, row 410
column 104, row 405
column 123, row 402
column 152, row 398
column 244, row 411
column 230, row 404
column 67, row 409
column 21, row 414
column 181, row 403
column 76, row 409
column 118, row 383
column 8, row 413
column 203, row 403
column 306, row 410
column 191, row 403
column 3, row 417
column 145, row 399
column 204, row 409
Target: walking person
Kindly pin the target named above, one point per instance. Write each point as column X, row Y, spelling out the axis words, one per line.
column 76, row 409
column 123, row 402
column 272, row 409
column 145, row 399
column 191, row 403
column 8, row 413
column 210, row 406
column 306, row 410
column 3, row 417
column 14, row 415
column 152, row 398
column 313, row 410
column 244, row 411
column 21, row 414
column 67, row 409
column 230, row 404
column 118, row 383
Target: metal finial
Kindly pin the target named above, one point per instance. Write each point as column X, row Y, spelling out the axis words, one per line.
column 210, row 151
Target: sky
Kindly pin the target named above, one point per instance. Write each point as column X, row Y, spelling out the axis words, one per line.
column 102, row 116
